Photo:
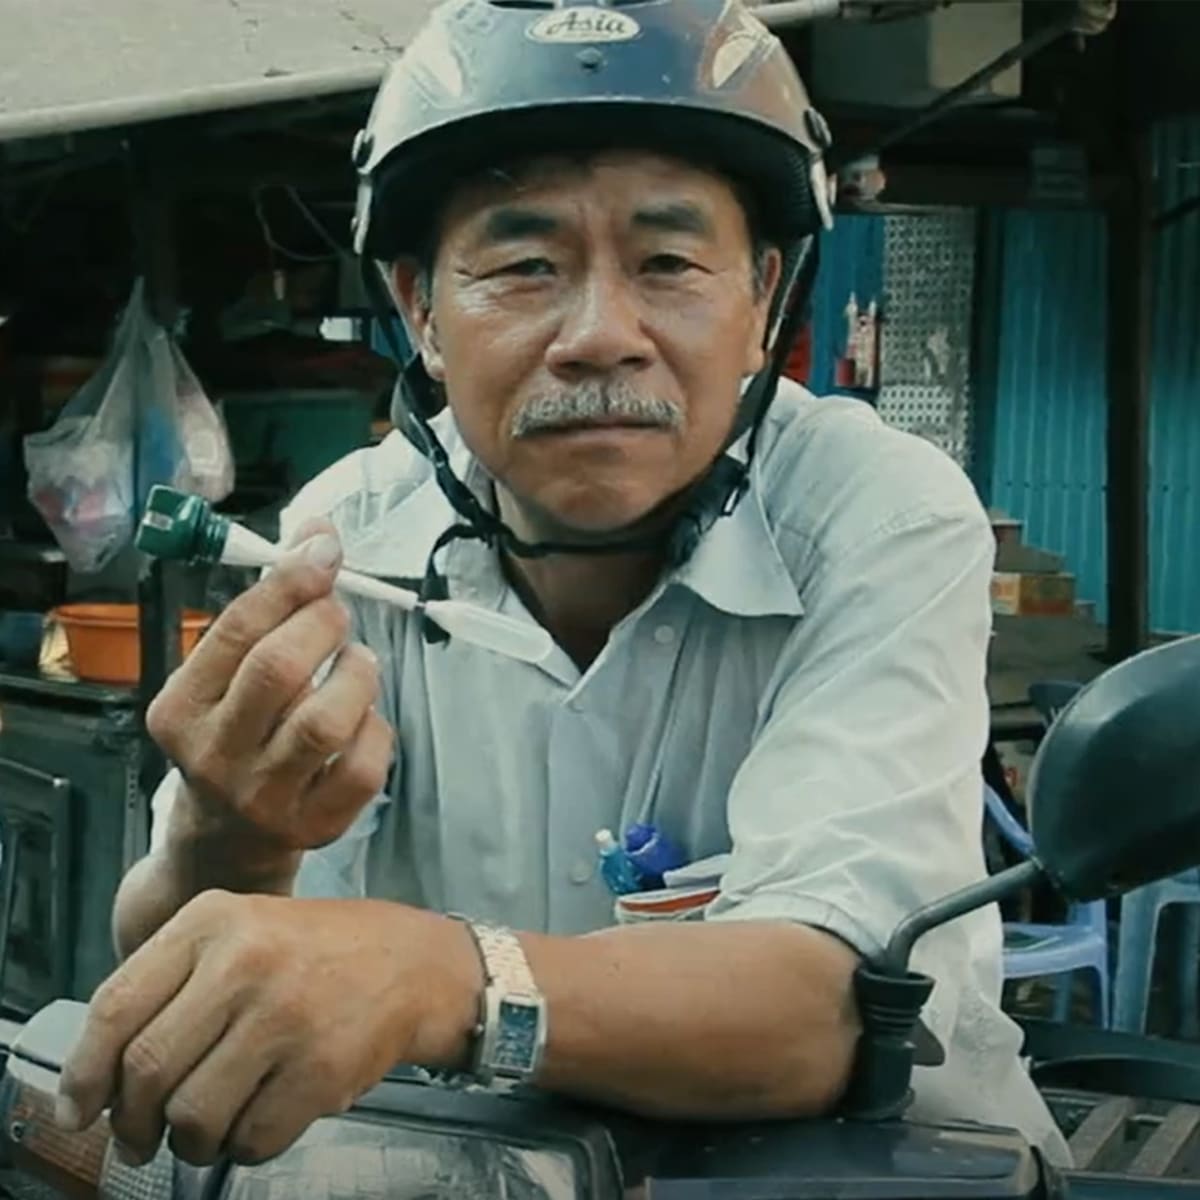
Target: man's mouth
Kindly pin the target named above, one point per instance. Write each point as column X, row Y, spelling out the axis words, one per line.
column 596, row 425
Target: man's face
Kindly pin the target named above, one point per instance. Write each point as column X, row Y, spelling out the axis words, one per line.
column 592, row 324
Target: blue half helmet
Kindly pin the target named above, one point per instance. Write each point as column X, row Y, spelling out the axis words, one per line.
column 488, row 82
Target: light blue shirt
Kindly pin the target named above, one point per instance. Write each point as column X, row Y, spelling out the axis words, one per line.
column 807, row 693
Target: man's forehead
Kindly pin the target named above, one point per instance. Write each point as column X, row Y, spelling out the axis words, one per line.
column 642, row 180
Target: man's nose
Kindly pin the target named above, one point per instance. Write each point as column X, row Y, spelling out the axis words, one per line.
column 602, row 327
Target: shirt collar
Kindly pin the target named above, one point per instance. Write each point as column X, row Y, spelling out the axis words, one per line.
column 737, row 566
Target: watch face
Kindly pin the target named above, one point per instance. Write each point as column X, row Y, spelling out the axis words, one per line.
column 516, row 1045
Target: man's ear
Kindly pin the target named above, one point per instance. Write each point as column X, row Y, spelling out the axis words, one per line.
column 766, row 284
column 411, row 287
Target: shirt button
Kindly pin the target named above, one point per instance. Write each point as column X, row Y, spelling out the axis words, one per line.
column 576, row 706
column 664, row 635
column 580, row 872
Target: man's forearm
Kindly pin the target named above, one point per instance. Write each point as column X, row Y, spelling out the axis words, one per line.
column 707, row 1021
column 155, row 889
column 193, row 860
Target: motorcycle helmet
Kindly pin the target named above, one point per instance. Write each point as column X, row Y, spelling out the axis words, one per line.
column 488, row 82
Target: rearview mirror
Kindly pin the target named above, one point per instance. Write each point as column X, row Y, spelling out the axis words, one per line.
column 1115, row 788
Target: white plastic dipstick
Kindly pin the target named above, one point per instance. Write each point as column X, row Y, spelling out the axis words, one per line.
column 479, row 626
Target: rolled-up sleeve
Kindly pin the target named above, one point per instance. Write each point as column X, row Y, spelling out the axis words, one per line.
column 860, row 799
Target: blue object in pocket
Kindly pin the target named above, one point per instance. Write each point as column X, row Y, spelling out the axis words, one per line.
column 652, row 853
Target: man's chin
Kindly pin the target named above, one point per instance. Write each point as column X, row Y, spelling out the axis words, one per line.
column 582, row 509
column 588, row 524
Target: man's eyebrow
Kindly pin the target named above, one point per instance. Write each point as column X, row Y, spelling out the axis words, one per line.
column 514, row 224
column 676, row 217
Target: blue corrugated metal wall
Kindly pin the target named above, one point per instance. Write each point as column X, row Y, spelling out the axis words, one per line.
column 1175, row 387
column 1048, row 428
column 1046, row 274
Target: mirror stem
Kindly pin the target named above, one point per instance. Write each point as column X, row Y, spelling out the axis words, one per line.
column 989, row 891
column 890, row 998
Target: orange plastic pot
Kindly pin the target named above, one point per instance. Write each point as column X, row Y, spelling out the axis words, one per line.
column 102, row 639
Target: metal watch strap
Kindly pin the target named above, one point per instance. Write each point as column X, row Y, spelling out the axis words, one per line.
column 503, row 957
column 506, row 975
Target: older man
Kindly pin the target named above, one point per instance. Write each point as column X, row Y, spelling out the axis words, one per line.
column 770, row 624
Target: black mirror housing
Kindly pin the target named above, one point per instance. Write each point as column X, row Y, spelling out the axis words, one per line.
column 1115, row 788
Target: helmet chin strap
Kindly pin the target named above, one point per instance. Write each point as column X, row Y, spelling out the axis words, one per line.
column 715, row 494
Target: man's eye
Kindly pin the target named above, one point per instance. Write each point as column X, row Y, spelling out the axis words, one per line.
column 528, row 268
column 668, row 264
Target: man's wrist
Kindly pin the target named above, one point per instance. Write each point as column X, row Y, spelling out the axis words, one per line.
column 210, row 852
column 452, row 994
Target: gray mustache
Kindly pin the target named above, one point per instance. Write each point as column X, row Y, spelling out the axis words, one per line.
column 594, row 401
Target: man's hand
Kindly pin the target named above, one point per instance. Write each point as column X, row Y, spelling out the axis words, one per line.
column 246, row 1018
column 274, row 766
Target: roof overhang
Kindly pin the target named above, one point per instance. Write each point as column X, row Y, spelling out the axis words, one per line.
column 68, row 66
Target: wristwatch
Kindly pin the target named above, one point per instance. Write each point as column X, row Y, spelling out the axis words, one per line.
column 511, row 1034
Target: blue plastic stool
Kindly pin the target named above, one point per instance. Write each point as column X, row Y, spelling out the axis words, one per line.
column 1135, row 953
column 1080, row 943
column 1140, row 911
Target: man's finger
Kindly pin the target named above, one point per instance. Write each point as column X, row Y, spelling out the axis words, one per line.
column 205, row 1106
column 120, row 1009
column 303, row 575
column 168, row 1051
column 288, row 1102
column 276, row 673
column 361, row 771
column 327, row 719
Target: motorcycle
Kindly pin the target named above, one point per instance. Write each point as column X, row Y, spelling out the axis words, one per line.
column 1114, row 805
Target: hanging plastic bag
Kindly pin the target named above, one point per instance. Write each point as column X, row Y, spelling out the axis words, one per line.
column 182, row 438
column 141, row 419
column 81, row 469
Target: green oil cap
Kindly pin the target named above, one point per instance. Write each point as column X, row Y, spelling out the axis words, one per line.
column 180, row 526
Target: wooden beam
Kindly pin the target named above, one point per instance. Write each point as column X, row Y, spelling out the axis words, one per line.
column 152, row 208
column 1170, row 1144
column 152, row 211
column 1100, row 1133
column 1130, row 300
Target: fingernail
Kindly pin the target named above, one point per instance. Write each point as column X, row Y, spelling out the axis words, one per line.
column 323, row 551
column 67, row 1115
